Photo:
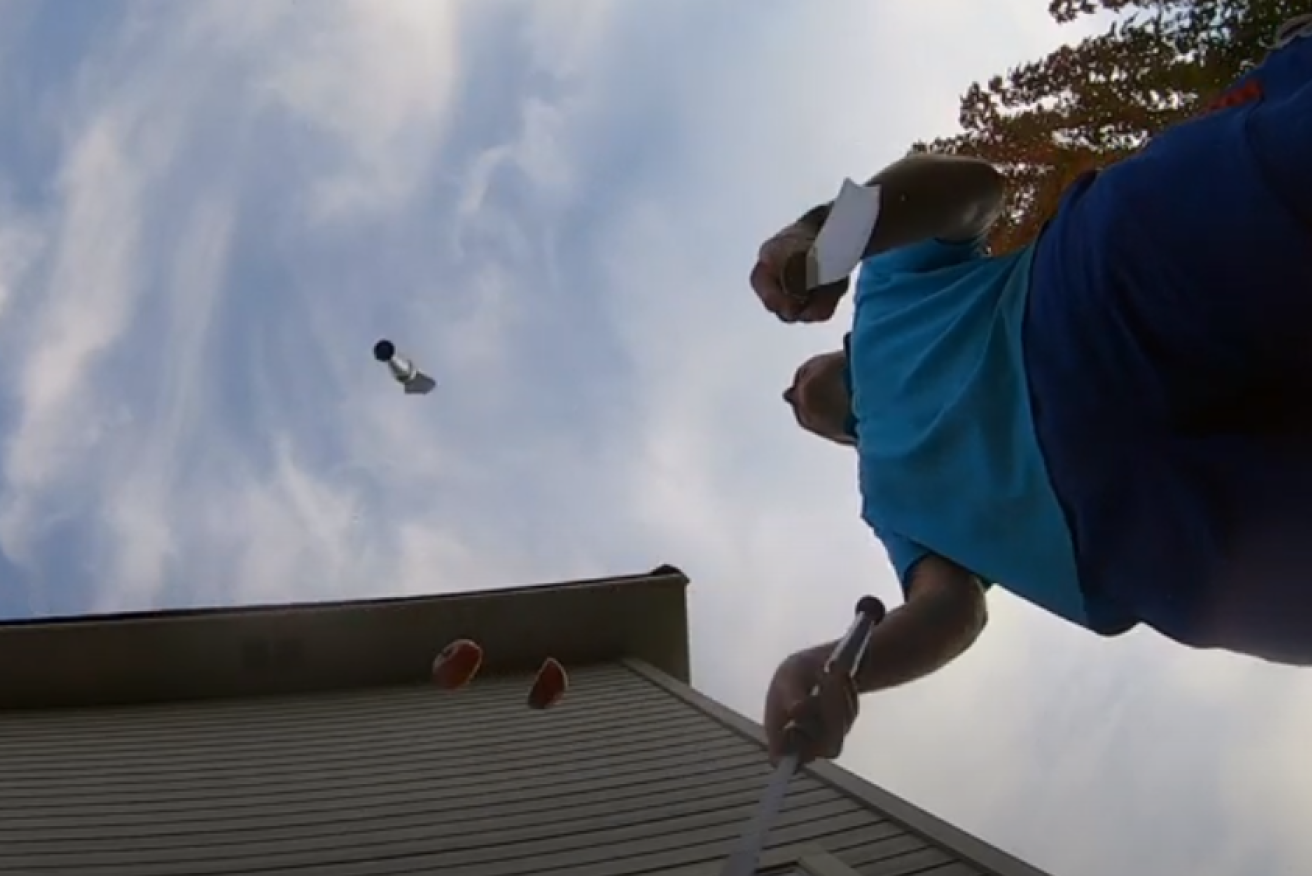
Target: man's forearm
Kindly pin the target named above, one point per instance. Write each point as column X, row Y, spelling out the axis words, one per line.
column 916, row 640
column 929, row 196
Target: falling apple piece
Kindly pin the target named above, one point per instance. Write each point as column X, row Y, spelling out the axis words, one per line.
column 457, row 665
column 550, row 684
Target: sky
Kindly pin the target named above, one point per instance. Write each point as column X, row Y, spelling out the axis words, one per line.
column 209, row 211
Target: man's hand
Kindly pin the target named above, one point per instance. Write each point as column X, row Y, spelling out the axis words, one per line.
column 787, row 297
column 808, row 711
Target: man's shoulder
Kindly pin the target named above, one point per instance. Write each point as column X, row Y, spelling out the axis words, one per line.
column 904, row 316
column 963, row 272
column 917, row 259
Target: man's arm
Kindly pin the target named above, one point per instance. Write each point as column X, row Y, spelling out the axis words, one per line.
column 945, row 197
column 944, row 613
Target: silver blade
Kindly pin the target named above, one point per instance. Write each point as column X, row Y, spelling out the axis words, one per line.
column 419, row 384
column 744, row 858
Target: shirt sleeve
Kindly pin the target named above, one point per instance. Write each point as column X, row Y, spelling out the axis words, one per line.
column 904, row 554
column 922, row 257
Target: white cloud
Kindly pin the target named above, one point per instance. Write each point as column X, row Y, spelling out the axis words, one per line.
column 20, row 246
column 144, row 549
column 377, row 78
column 90, row 287
column 372, row 81
column 83, row 309
column 553, row 207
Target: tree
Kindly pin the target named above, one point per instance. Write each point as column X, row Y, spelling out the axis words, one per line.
column 1083, row 106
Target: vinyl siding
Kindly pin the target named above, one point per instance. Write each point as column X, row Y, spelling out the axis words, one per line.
column 621, row 778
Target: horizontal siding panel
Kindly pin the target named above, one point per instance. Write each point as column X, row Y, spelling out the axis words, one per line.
column 318, row 787
column 833, row 834
column 614, row 790
column 669, row 851
column 418, row 732
column 621, row 779
column 467, row 830
column 897, row 856
column 630, row 741
column 445, row 853
column 562, row 809
column 383, row 799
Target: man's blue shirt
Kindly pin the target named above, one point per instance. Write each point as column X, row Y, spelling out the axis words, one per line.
column 1154, row 356
column 949, row 461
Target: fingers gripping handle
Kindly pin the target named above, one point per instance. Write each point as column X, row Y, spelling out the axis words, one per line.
column 851, row 649
column 846, row 658
column 794, row 278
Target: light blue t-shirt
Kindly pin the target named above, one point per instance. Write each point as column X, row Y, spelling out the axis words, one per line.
column 949, row 461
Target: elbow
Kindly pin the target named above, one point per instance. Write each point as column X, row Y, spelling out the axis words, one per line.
column 988, row 194
column 963, row 613
column 974, row 615
column 955, row 600
column 992, row 188
column 970, row 193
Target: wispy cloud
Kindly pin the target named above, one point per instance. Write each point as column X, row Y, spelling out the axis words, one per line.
column 210, row 211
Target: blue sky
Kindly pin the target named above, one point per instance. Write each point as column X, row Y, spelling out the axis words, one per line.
column 210, row 211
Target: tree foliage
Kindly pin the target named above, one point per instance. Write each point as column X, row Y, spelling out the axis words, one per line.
column 1085, row 105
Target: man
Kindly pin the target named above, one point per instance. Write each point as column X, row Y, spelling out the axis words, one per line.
column 1114, row 423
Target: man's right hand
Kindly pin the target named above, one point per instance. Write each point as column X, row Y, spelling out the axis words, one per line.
column 782, row 297
column 809, row 712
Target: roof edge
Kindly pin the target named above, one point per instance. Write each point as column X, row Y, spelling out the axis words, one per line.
column 288, row 649
column 215, row 611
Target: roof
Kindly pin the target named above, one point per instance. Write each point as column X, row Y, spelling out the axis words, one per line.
column 99, row 660
column 988, row 858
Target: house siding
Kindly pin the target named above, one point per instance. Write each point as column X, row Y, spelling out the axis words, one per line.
column 623, row 777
